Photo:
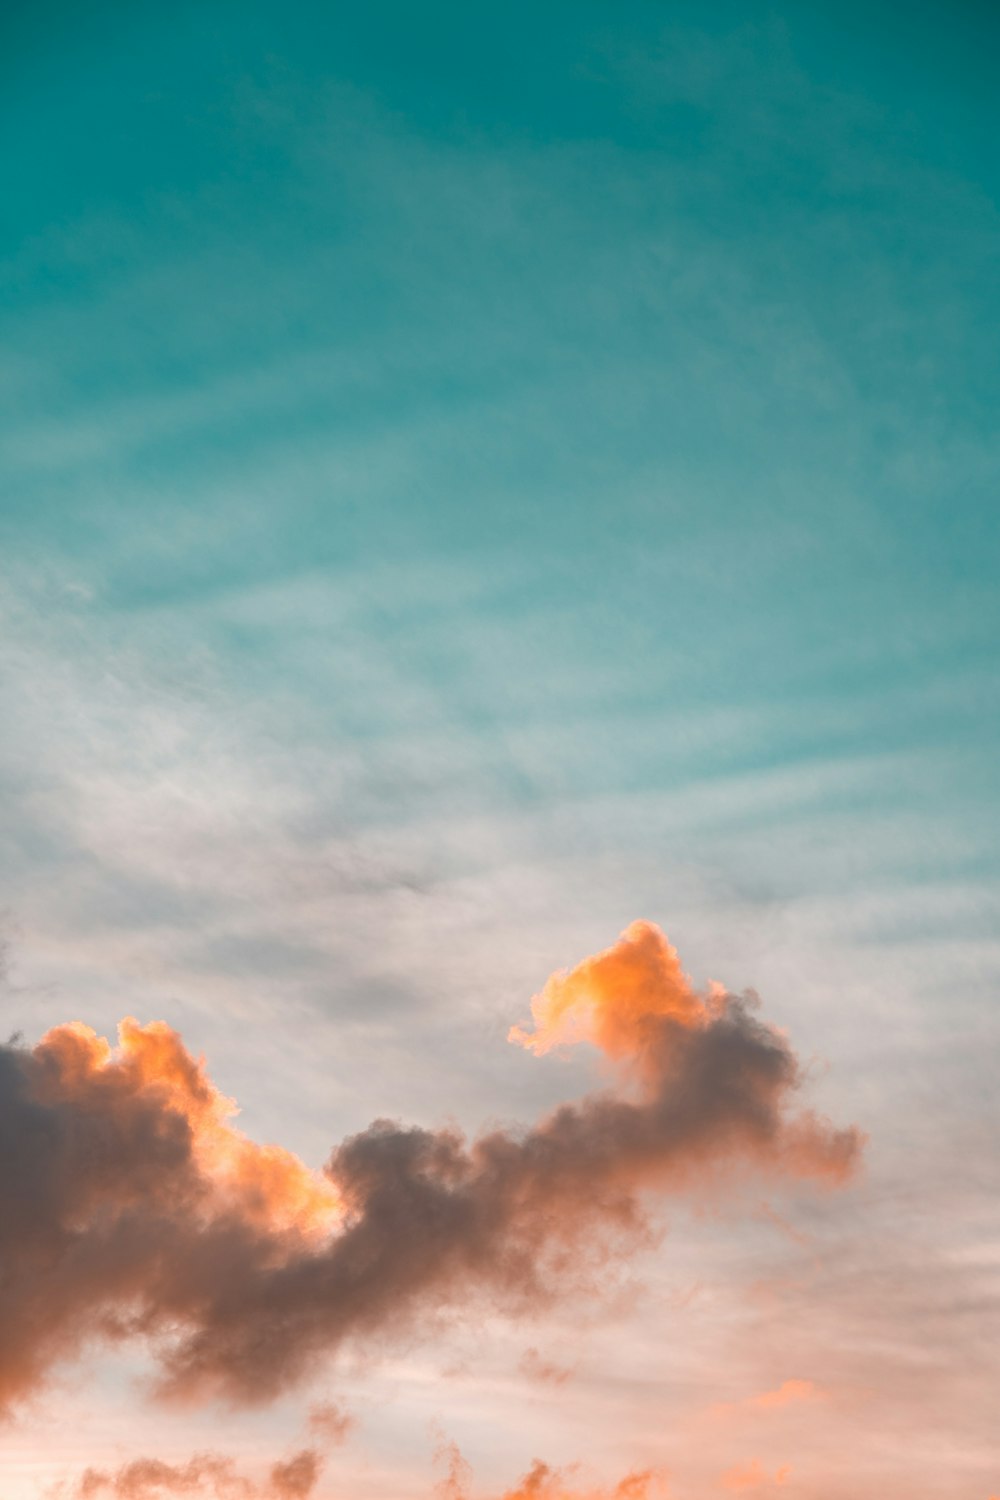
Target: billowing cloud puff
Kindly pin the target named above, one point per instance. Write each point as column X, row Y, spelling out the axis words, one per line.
column 131, row 1206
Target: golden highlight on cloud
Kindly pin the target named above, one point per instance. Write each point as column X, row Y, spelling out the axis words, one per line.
column 617, row 998
column 134, row 1208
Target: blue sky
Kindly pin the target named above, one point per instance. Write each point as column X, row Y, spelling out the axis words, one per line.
column 475, row 476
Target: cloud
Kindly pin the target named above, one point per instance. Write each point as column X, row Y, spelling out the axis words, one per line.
column 618, row 1000
column 212, row 1477
column 133, row 1207
column 543, row 1482
column 535, row 1367
column 789, row 1392
column 331, row 1423
column 753, row 1477
column 207, row 1474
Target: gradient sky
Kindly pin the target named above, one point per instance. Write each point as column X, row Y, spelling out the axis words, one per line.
column 473, row 477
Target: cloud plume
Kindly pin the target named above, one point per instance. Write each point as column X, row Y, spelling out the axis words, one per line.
column 133, row 1207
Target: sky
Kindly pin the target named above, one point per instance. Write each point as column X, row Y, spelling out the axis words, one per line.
column 499, row 528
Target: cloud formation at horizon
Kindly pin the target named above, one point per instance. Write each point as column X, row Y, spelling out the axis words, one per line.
column 543, row 1482
column 136, row 1210
column 206, row 1475
column 212, row 1476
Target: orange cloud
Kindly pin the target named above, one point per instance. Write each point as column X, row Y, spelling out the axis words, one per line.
column 786, row 1394
column 617, row 999
column 263, row 1185
column 213, row 1477
column 331, row 1423
column 753, row 1476
column 133, row 1207
column 543, row 1482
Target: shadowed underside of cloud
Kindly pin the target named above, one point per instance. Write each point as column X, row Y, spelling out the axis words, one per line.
column 132, row 1207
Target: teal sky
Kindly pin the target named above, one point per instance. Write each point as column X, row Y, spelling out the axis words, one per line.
column 473, row 476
